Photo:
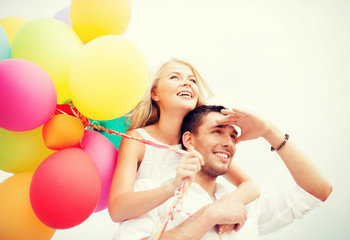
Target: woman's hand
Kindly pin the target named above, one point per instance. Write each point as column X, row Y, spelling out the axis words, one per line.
column 251, row 125
column 188, row 167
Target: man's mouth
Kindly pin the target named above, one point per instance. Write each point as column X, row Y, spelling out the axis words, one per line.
column 224, row 156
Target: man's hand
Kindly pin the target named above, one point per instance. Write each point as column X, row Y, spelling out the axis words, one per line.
column 251, row 125
column 229, row 210
column 188, row 166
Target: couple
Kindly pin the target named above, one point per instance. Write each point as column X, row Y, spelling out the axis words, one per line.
column 176, row 89
column 208, row 135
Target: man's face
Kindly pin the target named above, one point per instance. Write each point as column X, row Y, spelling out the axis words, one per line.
column 216, row 143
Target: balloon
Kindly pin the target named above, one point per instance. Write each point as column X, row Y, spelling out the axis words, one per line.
column 12, row 25
column 22, row 151
column 62, row 131
column 17, row 219
column 65, row 188
column 119, row 124
column 93, row 19
column 63, row 16
column 104, row 154
column 27, row 95
column 5, row 47
column 52, row 45
column 108, row 77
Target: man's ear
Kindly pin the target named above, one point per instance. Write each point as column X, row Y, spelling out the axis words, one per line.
column 187, row 139
column 154, row 95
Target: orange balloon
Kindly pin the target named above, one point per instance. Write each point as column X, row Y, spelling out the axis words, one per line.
column 17, row 218
column 62, row 131
column 22, row 151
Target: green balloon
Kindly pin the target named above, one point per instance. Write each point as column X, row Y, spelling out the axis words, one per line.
column 118, row 124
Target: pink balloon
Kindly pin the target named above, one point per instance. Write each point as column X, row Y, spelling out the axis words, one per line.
column 65, row 188
column 104, row 154
column 63, row 16
column 27, row 95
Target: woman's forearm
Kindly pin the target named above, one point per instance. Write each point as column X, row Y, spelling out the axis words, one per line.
column 134, row 204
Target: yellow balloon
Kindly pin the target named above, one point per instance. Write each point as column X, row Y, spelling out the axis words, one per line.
column 11, row 26
column 108, row 77
column 91, row 19
column 17, row 219
column 22, row 151
column 52, row 45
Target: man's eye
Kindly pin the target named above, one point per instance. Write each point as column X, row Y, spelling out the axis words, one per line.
column 217, row 131
column 233, row 136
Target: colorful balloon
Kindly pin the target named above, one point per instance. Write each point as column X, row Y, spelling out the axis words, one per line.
column 63, row 16
column 52, row 45
column 62, row 131
column 5, row 47
column 27, row 95
column 119, row 124
column 104, row 154
column 65, row 188
column 93, row 19
column 22, row 151
column 108, row 77
column 12, row 25
column 17, row 219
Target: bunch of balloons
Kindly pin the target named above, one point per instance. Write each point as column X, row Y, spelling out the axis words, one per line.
column 50, row 69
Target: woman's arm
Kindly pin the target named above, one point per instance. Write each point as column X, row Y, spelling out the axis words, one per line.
column 247, row 189
column 123, row 202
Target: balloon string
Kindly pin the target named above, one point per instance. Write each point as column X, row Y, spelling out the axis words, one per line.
column 180, row 191
column 141, row 140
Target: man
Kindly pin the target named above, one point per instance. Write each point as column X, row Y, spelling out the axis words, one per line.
column 209, row 130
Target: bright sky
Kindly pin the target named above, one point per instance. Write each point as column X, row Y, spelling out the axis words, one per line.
column 285, row 60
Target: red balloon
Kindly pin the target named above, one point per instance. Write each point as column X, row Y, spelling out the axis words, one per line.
column 65, row 188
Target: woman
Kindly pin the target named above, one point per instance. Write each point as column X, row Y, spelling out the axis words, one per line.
column 176, row 89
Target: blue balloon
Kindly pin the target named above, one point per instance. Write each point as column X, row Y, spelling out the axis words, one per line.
column 5, row 47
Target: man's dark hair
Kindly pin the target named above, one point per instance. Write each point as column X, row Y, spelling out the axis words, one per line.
column 193, row 119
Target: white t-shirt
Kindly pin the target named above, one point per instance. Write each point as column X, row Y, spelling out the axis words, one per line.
column 157, row 164
column 265, row 215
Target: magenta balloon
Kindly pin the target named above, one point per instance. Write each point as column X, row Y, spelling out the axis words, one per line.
column 27, row 95
column 103, row 152
column 65, row 188
column 63, row 16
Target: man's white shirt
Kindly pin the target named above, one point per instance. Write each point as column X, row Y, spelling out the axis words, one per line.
column 266, row 214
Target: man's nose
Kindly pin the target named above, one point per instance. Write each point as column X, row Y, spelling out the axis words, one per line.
column 227, row 141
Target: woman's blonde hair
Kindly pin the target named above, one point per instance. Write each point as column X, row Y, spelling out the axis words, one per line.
column 147, row 111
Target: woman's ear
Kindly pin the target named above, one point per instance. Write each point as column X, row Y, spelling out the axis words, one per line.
column 187, row 139
column 154, row 95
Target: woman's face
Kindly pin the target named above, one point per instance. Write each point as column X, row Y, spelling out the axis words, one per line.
column 177, row 88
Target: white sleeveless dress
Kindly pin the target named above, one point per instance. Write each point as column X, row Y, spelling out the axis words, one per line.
column 157, row 164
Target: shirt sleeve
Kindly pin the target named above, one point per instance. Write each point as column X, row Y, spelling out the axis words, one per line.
column 279, row 210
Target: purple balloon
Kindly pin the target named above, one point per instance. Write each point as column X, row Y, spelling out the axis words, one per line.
column 63, row 16
column 28, row 95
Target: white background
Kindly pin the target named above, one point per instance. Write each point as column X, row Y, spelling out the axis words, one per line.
column 285, row 60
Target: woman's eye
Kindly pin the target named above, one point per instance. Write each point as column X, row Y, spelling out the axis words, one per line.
column 233, row 136
column 174, row 77
column 193, row 80
column 217, row 131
